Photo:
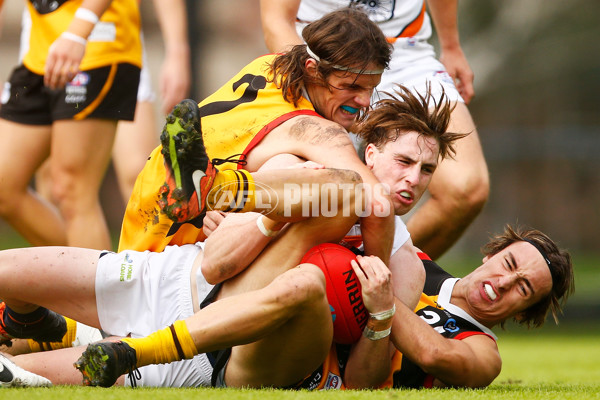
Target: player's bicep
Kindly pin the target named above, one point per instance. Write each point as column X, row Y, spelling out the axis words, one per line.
column 327, row 143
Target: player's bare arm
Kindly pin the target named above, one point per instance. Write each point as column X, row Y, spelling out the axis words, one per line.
column 369, row 363
column 233, row 246
column 278, row 19
column 409, row 274
column 327, row 143
column 471, row 362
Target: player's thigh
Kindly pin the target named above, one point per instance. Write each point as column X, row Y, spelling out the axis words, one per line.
column 23, row 149
column 59, row 278
column 81, row 150
column 468, row 167
column 292, row 350
column 135, row 139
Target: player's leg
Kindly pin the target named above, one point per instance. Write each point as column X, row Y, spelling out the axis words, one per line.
column 35, row 280
column 292, row 295
column 458, row 191
column 77, row 334
column 24, row 147
column 298, row 295
column 79, row 159
column 55, row 365
column 134, row 141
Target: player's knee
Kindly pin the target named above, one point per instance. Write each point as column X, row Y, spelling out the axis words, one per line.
column 466, row 195
column 301, row 287
column 8, row 202
column 72, row 197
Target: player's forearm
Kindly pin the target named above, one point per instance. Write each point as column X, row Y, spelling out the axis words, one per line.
column 234, row 245
column 408, row 274
column 369, row 364
column 278, row 18
column 172, row 19
column 377, row 228
column 450, row 361
column 444, row 14
column 82, row 27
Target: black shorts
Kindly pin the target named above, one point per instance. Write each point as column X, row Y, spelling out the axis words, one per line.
column 108, row 92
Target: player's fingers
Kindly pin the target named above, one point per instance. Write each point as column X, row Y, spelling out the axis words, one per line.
column 366, row 266
column 357, row 268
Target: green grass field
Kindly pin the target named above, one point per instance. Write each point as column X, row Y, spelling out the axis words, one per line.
column 551, row 364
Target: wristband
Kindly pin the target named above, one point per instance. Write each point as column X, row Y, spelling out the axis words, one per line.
column 87, row 15
column 263, row 229
column 74, row 38
column 376, row 335
column 383, row 315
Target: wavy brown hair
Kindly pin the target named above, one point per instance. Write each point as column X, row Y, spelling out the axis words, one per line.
column 345, row 37
column 561, row 268
column 405, row 112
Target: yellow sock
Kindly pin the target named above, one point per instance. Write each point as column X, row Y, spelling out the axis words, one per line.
column 232, row 191
column 67, row 340
column 170, row 344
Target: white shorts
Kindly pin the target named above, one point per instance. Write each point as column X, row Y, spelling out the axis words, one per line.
column 413, row 65
column 138, row 293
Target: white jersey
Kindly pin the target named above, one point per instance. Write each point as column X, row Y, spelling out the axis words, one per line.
column 402, row 18
column 401, row 235
column 407, row 26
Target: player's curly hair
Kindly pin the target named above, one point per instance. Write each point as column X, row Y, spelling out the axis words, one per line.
column 405, row 112
column 345, row 37
column 563, row 281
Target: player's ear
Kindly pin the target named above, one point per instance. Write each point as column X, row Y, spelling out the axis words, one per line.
column 519, row 317
column 370, row 152
column 311, row 66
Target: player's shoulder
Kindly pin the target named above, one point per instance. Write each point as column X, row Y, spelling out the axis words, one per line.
column 315, row 127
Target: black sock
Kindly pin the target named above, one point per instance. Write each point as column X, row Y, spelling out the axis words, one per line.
column 41, row 325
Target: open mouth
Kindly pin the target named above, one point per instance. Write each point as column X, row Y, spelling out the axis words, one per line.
column 406, row 195
column 489, row 291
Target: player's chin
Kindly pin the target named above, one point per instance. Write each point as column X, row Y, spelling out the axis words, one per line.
column 401, row 208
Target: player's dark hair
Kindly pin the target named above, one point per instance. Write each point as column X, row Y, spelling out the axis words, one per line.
column 405, row 112
column 346, row 37
column 561, row 268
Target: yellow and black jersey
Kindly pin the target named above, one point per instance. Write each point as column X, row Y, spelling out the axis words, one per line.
column 114, row 39
column 234, row 120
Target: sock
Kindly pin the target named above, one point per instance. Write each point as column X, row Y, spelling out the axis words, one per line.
column 42, row 325
column 232, row 191
column 67, row 340
column 170, row 344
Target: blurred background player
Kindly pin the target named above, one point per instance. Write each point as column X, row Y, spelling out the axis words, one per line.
column 136, row 139
column 79, row 77
column 461, row 185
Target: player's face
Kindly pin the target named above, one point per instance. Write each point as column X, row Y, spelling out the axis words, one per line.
column 406, row 165
column 506, row 284
column 348, row 94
